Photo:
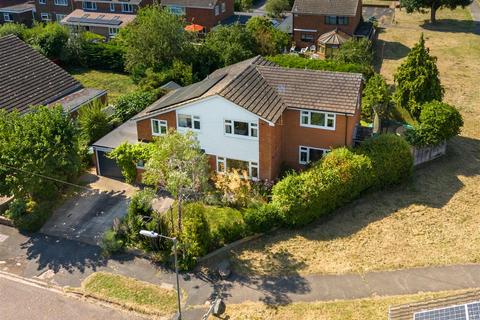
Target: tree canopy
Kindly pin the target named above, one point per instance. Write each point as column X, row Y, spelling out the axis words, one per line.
column 376, row 98
column 268, row 39
column 275, row 8
column 433, row 5
column 417, row 80
column 355, row 51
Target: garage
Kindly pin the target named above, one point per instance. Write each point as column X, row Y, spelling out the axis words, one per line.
column 107, row 167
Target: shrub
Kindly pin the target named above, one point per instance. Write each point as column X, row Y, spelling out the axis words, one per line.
column 355, row 51
column 15, row 29
column 226, row 225
column 235, row 186
column 179, row 72
column 29, row 215
column 195, row 237
column 243, row 5
column 93, row 122
column 140, row 206
column 50, row 39
column 293, row 61
column 111, row 243
column 438, row 122
column 261, row 218
column 391, row 157
column 376, row 98
column 132, row 103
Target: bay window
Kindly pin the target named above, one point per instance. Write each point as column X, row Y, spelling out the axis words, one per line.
column 317, row 119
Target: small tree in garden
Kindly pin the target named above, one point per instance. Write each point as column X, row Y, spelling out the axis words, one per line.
column 376, row 98
column 93, row 122
column 127, row 156
column 275, row 8
column 417, row 80
column 269, row 40
column 235, row 186
column 355, row 51
column 433, row 5
column 178, row 163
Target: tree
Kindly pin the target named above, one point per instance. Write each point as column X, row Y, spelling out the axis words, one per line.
column 16, row 29
column 127, row 155
column 268, row 39
column 275, row 8
column 417, row 80
column 232, row 43
column 355, row 51
column 178, row 163
column 131, row 103
column 153, row 40
column 50, row 39
column 93, row 122
column 243, row 5
column 35, row 147
column 433, row 5
column 376, row 98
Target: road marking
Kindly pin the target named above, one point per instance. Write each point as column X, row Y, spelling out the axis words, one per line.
column 3, row 237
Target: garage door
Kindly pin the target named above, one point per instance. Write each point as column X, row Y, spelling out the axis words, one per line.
column 108, row 167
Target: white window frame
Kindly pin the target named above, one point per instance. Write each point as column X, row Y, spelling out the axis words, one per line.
column 45, row 16
column 251, row 166
column 307, row 150
column 307, row 115
column 252, row 129
column 7, row 17
column 42, row 1
column 193, row 119
column 59, row 17
column 112, row 31
column 112, row 7
column 63, row 3
column 93, row 6
column 224, row 7
column 217, row 10
column 128, row 6
column 161, row 124
column 176, row 10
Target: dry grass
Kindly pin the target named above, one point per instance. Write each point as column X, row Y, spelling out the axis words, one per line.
column 361, row 309
column 431, row 220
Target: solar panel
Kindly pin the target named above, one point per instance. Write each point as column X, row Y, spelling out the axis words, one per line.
column 470, row 311
column 473, row 311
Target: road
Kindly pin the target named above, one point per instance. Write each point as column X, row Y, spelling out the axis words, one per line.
column 21, row 300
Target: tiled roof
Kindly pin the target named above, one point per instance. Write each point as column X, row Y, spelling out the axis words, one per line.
column 334, row 37
column 208, row 4
column 266, row 89
column 89, row 18
column 28, row 78
column 326, row 7
column 19, row 8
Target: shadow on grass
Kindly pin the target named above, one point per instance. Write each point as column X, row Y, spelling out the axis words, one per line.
column 450, row 25
column 390, row 50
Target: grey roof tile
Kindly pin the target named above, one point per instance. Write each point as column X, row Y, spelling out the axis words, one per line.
column 326, row 7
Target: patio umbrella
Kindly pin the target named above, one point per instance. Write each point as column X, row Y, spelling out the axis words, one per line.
column 194, row 27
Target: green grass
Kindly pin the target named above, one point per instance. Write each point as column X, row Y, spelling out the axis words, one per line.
column 131, row 293
column 372, row 308
column 116, row 84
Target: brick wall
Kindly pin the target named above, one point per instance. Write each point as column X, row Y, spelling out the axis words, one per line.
column 26, row 18
column 270, row 153
column 52, row 9
column 144, row 127
column 206, row 17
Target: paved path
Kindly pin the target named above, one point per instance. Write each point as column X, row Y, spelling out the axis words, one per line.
column 475, row 9
column 25, row 301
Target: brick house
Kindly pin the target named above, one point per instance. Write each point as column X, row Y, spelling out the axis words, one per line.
column 53, row 10
column 314, row 18
column 17, row 11
column 207, row 13
column 252, row 115
column 27, row 79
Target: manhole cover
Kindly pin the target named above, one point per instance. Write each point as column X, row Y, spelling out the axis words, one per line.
column 3, row 237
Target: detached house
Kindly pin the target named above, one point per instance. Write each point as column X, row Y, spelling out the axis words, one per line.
column 253, row 115
column 326, row 24
column 28, row 79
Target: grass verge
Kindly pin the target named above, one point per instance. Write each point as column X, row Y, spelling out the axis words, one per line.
column 360, row 309
column 130, row 293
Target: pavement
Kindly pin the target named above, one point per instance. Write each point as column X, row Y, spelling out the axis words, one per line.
column 24, row 300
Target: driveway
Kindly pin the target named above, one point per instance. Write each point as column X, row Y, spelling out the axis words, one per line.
column 90, row 212
column 383, row 15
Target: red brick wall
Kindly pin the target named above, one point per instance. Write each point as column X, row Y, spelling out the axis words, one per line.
column 52, row 9
column 317, row 22
column 25, row 18
column 206, row 17
column 294, row 135
column 270, row 149
column 144, row 127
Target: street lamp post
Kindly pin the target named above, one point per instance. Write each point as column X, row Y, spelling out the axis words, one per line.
column 154, row 235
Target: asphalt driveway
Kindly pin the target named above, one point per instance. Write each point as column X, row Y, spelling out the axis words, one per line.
column 88, row 214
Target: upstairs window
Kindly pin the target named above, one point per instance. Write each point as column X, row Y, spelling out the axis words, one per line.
column 7, row 17
column 112, row 7
column 188, row 121
column 240, row 128
column 61, row 2
column 336, row 20
column 309, row 154
column 159, row 127
column 42, row 1
column 87, row 5
column 126, row 7
column 306, row 37
column 315, row 119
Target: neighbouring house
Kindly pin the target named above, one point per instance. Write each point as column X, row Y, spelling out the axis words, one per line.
column 17, row 11
column 53, row 10
column 27, row 79
column 205, row 13
column 326, row 24
column 253, row 115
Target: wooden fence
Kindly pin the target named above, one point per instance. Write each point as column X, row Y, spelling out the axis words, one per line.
column 425, row 154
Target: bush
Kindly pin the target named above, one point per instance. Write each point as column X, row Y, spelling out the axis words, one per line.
column 243, row 5
column 226, row 225
column 111, row 243
column 235, row 186
column 50, row 39
column 15, row 29
column 93, row 122
column 29, row 215
column 391, row 157
column 140, row 206
column 438, row 122
column 293, row 61
column 195, row 239
column 261, row 218
column 357, row 51
column 132, row 103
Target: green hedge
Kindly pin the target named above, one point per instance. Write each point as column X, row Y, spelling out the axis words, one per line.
column 293, row 61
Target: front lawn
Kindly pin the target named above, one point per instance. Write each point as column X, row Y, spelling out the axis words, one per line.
column 431, row 220
column 131, row 293
column 361, row 309
column 115, row 83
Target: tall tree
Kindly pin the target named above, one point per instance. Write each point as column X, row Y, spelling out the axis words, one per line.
column 268, row 39
column 417, row 80
column 376, row 98
column 153, row 40
column 433, row 5
column 177, row 162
